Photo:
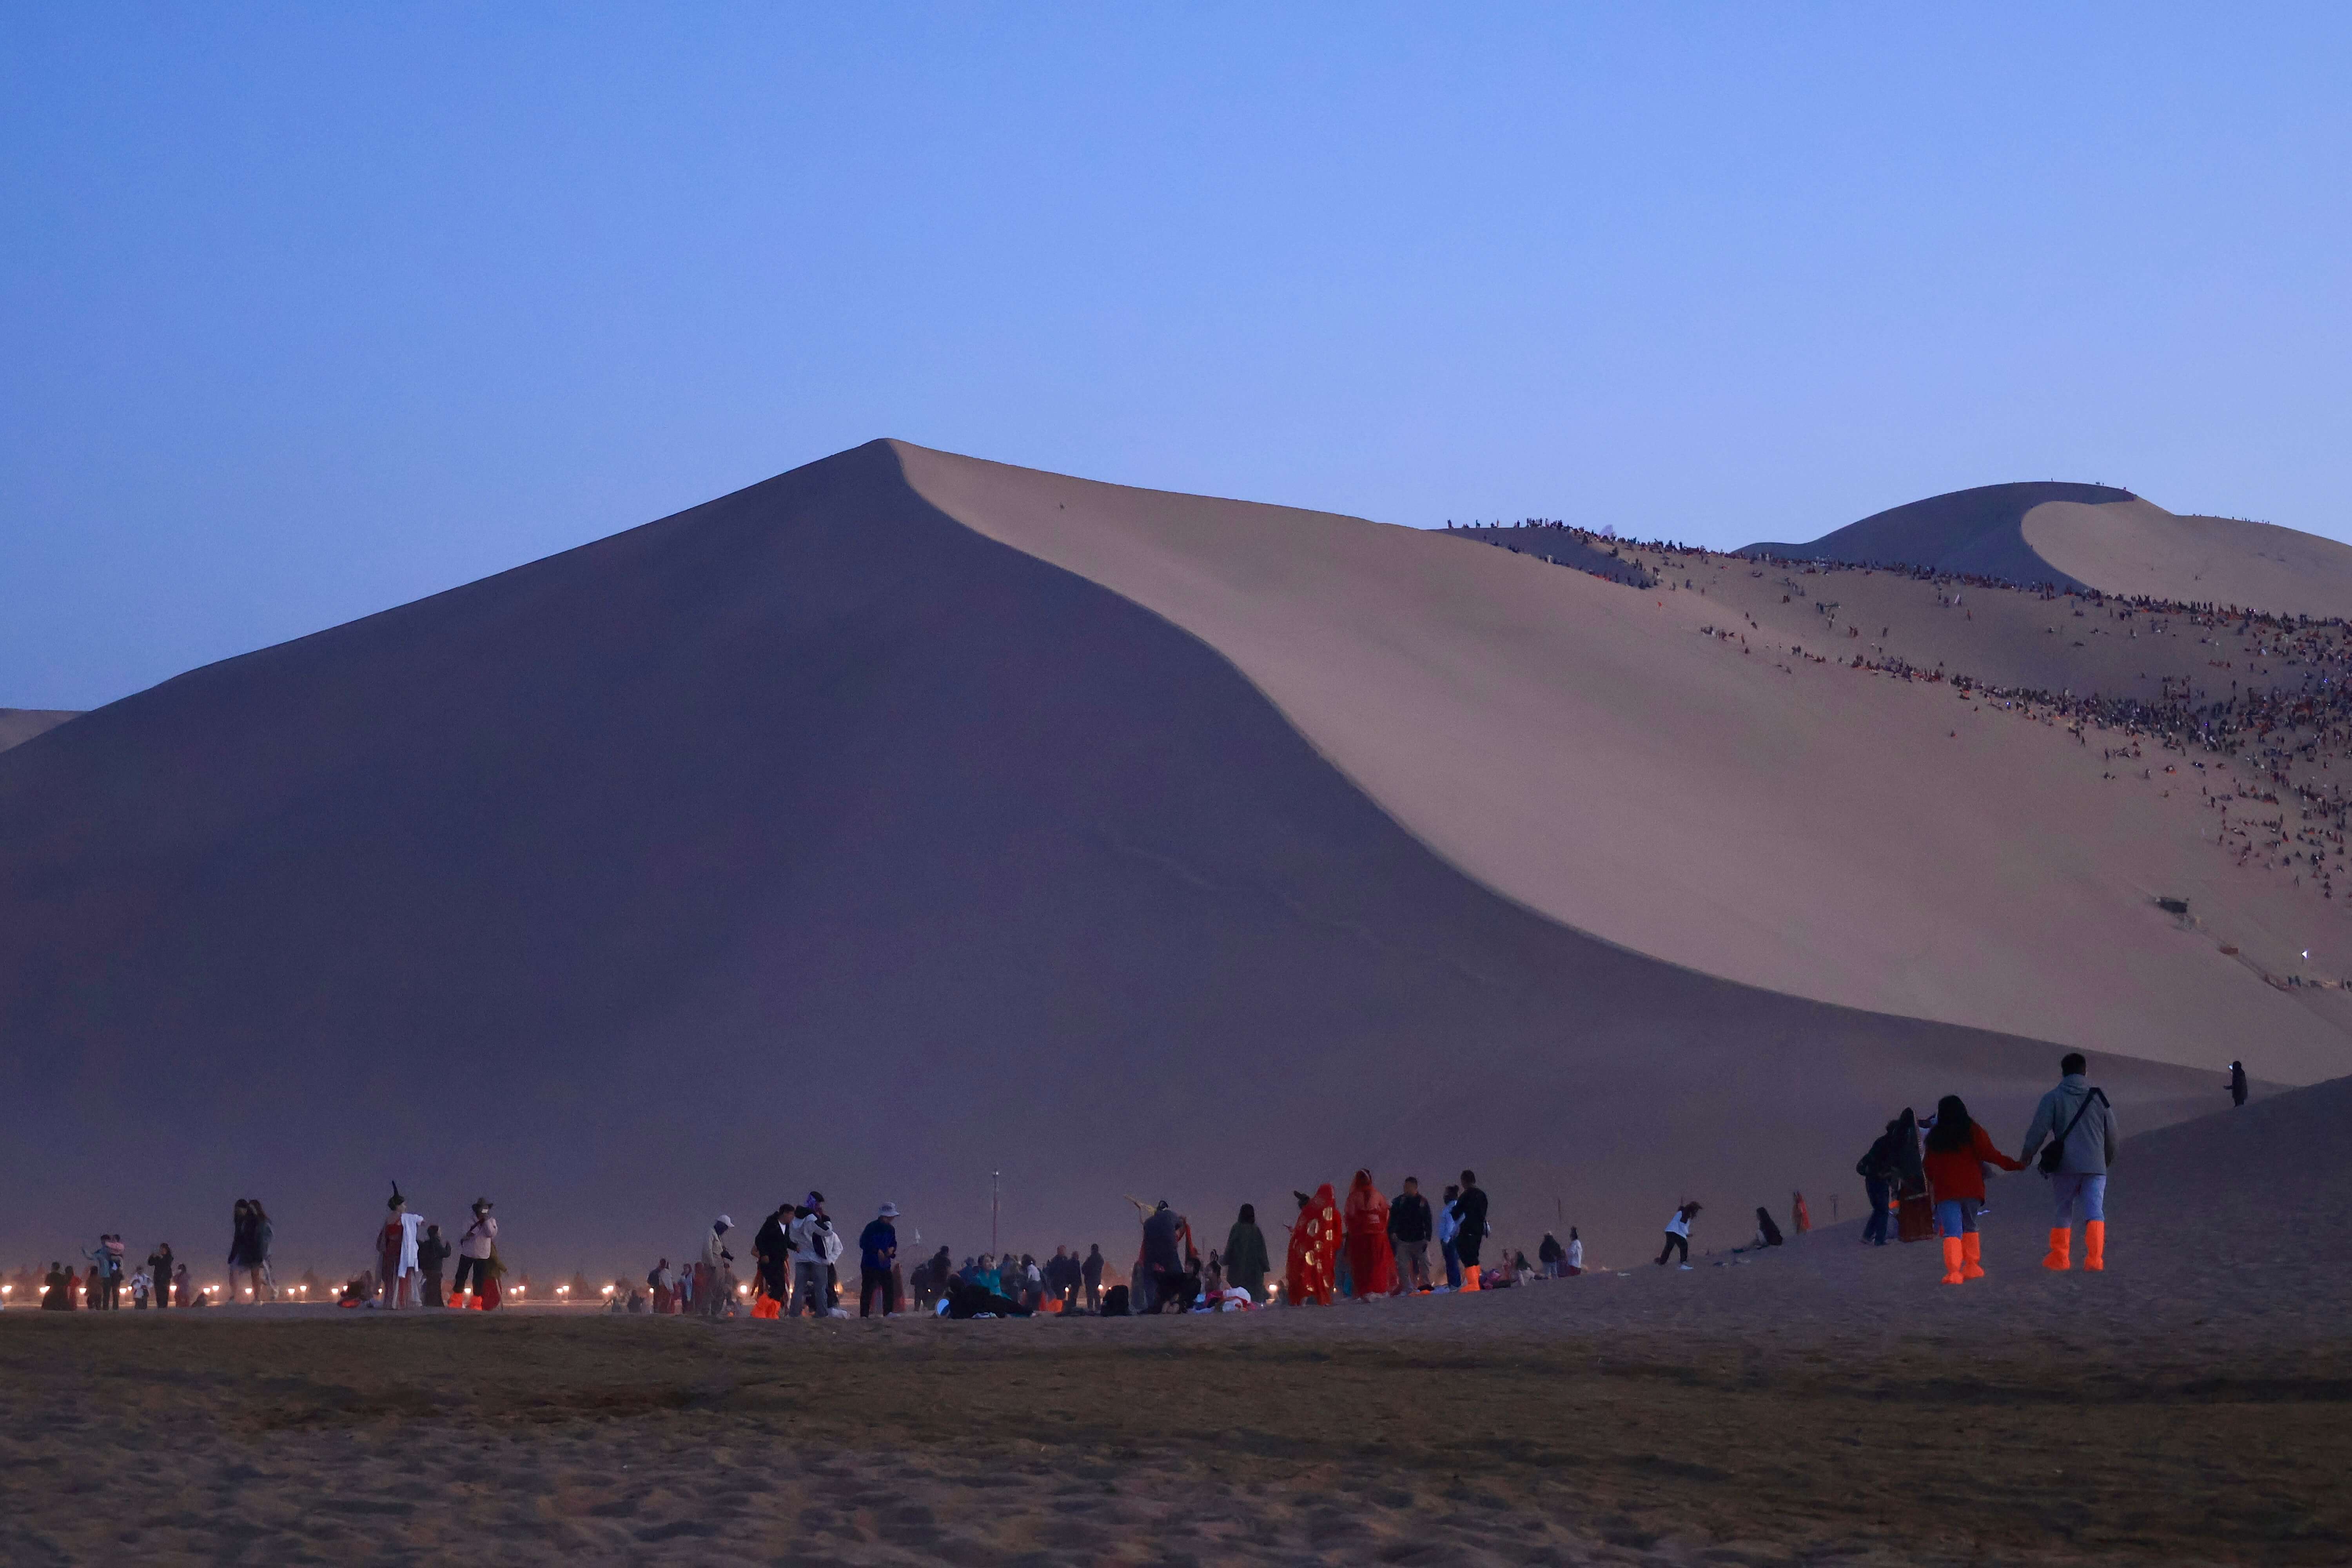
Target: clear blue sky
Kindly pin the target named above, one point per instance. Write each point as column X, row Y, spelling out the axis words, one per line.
column 311, row 310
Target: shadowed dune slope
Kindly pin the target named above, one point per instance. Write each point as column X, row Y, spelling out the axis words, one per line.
column 2092, row 536
column 1581, row 747
column 19, row 725
column 805, row 839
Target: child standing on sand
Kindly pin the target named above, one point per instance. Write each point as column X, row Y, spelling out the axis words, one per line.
column 1957, row 1152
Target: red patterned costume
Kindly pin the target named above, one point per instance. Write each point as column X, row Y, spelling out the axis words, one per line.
column 1313, row 1250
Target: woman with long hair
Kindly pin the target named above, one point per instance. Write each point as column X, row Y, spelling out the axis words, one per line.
column 1959, row 1148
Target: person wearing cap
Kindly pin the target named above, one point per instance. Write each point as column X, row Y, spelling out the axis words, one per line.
column 474, row 1250
column 877, row 1254
column 712, row 1270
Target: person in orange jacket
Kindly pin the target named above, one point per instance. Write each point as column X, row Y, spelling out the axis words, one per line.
column 1959, row 1148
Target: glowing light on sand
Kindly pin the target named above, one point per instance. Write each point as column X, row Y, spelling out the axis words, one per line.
column 608, row 1289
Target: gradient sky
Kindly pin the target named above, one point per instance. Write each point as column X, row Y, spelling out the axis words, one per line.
column 308, row 311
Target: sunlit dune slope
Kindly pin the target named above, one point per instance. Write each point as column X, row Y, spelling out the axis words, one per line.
column 1581, row 747
column 2069, row 535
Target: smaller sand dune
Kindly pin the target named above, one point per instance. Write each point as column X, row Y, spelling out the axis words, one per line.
column 2095, row 536
column 19, row 725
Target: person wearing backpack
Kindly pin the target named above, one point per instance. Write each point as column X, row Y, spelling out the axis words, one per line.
column 2079, row 1126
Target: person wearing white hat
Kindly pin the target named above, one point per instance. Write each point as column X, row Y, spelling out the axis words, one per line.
column 709, row 1273
column 877, row 1261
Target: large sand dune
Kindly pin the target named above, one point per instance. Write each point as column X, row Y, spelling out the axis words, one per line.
column 2073, row 535
column 814, row 837
column 1582, row 748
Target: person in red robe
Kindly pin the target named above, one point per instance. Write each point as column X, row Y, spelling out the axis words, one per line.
column 1371, row 1266
column 1314, row 1249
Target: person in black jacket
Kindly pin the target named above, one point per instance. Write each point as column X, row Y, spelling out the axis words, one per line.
column 1091, row 1272
column 1879, row 1169
column 432, row 1252
column 2237, row 1083
column 1410, row 1227
column 772, row 1252
column 1470, row 1210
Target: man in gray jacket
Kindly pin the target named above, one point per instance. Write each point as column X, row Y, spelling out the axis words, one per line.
column 2081, row 1119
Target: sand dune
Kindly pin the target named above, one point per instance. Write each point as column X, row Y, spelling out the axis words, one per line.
column 19, row 725
column 813, row 838
column 2071, row 535
column 1581, row 747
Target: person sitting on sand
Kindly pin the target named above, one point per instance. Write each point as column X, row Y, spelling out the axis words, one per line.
column 1678, row 1234
column 1766, row 1233
column 1959, row 1148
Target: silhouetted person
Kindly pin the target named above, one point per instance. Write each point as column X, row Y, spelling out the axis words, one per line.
column 2237, row 1083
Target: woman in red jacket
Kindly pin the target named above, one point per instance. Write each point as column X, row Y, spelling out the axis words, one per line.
column 1958, row 1150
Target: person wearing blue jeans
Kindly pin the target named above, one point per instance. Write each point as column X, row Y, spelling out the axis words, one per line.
column 1873, row 1231
column 2078, row 1118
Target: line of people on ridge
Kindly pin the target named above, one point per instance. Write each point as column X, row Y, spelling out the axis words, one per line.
column 1935, row 1185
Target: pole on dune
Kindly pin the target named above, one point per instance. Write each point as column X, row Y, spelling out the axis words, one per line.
column 992, row 1208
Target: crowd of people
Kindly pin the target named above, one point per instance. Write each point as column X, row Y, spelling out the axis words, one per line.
column 1921, row 1177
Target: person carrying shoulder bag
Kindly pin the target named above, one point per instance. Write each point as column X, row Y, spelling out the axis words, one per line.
column 2078, row 1126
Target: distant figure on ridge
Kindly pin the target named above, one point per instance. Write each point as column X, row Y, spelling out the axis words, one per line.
column 2238, row 1083
column 1959, row 1148
column 2081, row 1125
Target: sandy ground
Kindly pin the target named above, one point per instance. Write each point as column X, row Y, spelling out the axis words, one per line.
column 1822, row 1402
column 1786, row 1411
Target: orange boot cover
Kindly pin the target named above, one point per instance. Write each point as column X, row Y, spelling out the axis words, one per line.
column 2094, row 1244
column 1470, row 1277
column 1972, row 1256
column 1952, row 1260
column 2061, row 1242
